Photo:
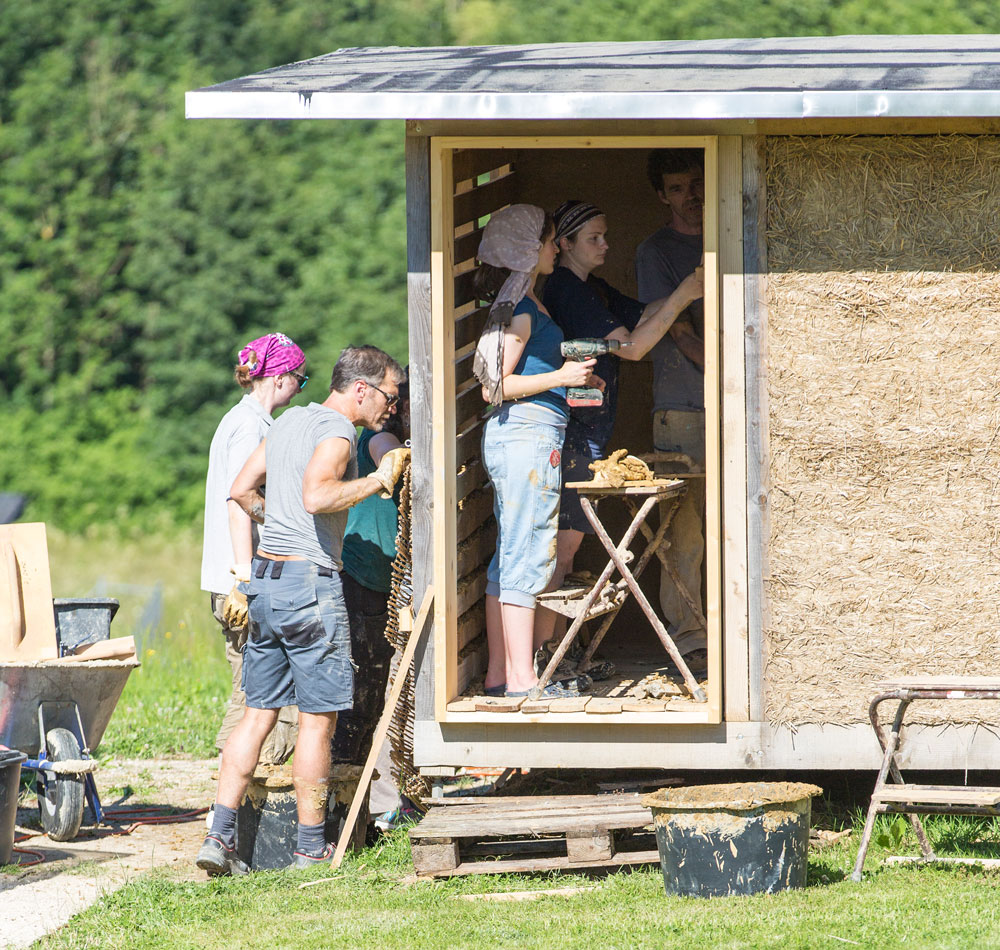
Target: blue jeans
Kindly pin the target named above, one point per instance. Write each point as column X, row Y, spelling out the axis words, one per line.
column 299, row 648
column 523, row 457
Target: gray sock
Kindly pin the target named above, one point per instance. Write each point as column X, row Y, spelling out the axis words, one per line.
column 224, row 824
column 311, row 839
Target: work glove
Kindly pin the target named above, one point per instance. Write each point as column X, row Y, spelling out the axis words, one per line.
column 389, row 469
column 234, row 607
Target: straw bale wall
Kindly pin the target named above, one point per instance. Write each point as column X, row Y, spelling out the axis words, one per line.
column 883, row 366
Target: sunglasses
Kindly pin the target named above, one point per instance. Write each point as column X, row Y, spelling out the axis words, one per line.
column 390, row 400
column 302, row 380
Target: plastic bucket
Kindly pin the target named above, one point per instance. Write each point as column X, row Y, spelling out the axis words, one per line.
column 745, row 838
column 10, row 780
column 82, row 620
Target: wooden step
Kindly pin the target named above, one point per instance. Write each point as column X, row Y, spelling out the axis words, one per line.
column 938, row 795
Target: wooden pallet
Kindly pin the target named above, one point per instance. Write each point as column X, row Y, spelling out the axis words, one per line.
column 462, row 836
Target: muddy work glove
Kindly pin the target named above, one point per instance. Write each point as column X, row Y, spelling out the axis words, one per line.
column 389, row 469
column 234, row 607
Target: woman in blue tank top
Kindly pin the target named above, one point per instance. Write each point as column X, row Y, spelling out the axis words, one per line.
column 522, row 441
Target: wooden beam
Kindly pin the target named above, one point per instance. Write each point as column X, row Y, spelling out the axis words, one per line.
column 418, row 289
column 734, row 458
column 444, row 431
column 713, row 468
column 758, row 431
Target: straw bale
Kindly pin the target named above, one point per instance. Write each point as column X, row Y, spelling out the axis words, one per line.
column 884, row 397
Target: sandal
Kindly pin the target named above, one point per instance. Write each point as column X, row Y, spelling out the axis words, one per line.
column 500, row 690
column 552, row 691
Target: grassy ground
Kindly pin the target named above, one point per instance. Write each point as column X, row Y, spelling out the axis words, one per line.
column 366, row 905
column 174, row 702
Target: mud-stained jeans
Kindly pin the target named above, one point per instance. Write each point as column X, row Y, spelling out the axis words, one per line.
column 676, row 431
column 280, row 744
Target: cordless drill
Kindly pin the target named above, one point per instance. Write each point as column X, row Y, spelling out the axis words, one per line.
column 585, row 349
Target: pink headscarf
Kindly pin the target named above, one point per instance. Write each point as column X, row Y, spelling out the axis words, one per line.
column 511, row 239
column 271, row 355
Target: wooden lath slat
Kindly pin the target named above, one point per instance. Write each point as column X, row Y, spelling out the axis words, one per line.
column 484, row 200
column 471, row 477
column 475, row 510
column 469, row 326
column 465, row 289
column 472, row 162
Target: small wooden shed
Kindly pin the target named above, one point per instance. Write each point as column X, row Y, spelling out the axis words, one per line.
column 852, row 354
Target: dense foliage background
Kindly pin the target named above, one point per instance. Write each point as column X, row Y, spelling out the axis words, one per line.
column 138, row 251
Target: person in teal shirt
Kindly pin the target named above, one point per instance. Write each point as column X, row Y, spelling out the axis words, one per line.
column 369, row 550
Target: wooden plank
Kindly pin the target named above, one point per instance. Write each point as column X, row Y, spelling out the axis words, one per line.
column 27, row 623
column 469, row 445
column 477, row 550
column 492, row 704
column 502, row 804
column 583, row 847
column 471, row 477
column 536, row 706
column 461, row 823
column 443, row 435
column 484, row 200
column 471, row 625
column 573, row 704
column 603, row 706
column 529, row 865
column 467, row 246
column 472, row 162
column 470, row 326
column 470, row 591
column 713, row 473
column 938, row 795
column 474, row 512
column 736, row 663
column 418, row 291
column 431, row 858
column 758, row 429
column 464, row 288
column 468, row 405
column 644, row 705
column 462, row 705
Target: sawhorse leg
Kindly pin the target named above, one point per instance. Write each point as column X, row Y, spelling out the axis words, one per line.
column 890, row 746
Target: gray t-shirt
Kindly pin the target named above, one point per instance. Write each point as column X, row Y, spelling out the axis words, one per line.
column 662, row 261
column 288, row 527
column 238, row 434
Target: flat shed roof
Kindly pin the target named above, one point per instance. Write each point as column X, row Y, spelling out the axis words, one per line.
column 801, row 77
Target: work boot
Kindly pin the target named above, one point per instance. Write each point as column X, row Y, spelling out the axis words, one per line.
column 304, row 860
column 217, row 859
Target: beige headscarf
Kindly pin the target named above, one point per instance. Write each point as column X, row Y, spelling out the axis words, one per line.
column 511, row 239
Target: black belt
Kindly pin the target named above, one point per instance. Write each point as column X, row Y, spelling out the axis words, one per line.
column 278, row 566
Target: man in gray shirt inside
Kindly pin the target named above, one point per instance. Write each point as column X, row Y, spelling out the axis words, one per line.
column 299, row 647
column 662, row 261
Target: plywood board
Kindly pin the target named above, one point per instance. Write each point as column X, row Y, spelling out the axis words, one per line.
column 27, row 622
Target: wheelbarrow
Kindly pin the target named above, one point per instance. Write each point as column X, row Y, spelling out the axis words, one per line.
column 56, row 712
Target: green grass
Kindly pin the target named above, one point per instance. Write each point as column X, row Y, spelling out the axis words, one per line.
column 367, row 906
column 174, row 702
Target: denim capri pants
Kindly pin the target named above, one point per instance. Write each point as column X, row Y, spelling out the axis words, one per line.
column 522, row 453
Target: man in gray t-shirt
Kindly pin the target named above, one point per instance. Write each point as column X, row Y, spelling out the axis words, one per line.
column 299, row 648
column 662, row 261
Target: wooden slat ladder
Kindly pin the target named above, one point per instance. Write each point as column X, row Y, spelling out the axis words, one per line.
column 892, row 794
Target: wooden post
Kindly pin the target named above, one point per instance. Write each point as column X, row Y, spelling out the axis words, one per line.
column 758, row 434
column 734, row 456
column 418, row 288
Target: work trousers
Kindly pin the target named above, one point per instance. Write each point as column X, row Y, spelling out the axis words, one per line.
column 677, row 431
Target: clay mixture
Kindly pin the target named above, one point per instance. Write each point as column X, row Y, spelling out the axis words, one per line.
column 620, row 468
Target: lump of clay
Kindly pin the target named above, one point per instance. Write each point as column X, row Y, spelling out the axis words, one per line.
column 619, row 468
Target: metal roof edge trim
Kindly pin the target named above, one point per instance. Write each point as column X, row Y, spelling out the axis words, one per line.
column 805, row 104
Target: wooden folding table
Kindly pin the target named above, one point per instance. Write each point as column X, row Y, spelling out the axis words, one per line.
column 606, row 597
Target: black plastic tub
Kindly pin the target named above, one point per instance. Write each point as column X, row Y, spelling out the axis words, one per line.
column 10, row 779
column 745, row 838
column 83, row 620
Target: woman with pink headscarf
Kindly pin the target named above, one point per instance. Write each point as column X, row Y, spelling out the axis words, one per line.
column 270, row 371
column 524, row 378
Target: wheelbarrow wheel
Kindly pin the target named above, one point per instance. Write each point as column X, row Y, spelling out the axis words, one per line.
column 61, row 800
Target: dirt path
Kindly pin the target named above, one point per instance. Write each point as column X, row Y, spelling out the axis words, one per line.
column 38, row 900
